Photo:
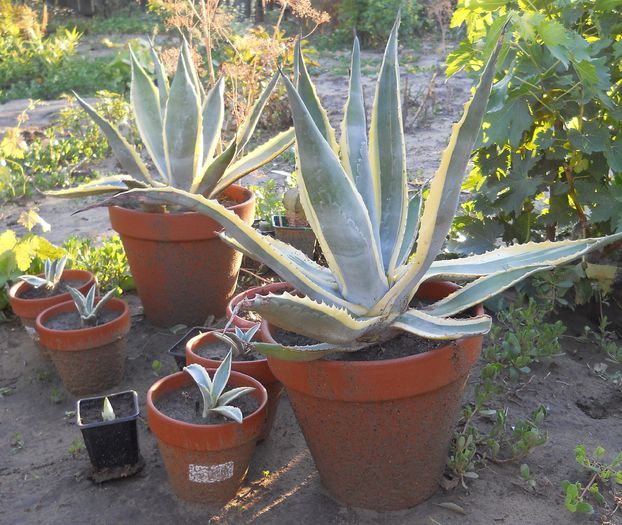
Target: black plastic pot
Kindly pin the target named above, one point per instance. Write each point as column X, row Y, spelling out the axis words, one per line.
column 178, row 350
column 114, row 443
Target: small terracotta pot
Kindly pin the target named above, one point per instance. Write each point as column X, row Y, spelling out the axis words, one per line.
column 379, row 431
column 245, row 324
column 89, row 360
column 205, row 463
column 29, row 309
column 257, row 369
column 183, row 272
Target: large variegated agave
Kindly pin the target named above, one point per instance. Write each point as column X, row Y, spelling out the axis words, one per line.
column 180, row 127
column 378, row 245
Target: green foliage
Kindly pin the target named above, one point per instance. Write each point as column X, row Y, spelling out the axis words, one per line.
column 59, row 156
column 131, row 20
column 268, row 201
column 107, row 261
column 607, row 474
column 522, row 337
column 372, row 20
column 549, row 158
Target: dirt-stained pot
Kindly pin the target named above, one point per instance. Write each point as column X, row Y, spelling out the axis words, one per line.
column 379, row 431
column 88, row 360
column 29, row 309
column 205, row 463
column 183, row 272
column 257, row 369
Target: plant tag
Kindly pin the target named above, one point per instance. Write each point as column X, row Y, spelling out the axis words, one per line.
column 210, row 473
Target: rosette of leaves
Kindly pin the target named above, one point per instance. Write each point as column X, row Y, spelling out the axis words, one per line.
column 380, row 243
column 549, row 159
column 180, row 126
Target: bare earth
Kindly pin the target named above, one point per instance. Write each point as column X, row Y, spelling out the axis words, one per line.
column 41, row 482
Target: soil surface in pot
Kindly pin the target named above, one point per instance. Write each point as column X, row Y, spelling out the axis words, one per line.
column 403, row 345
column 71, row 320
column 218, row 351
column 186, row 405
column 91, row 411
column 43, row 292
column 287, row 338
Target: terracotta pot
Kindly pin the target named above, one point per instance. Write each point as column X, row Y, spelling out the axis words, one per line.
column 379, row 431
column 245, row 324
column 88, row 360
column 183, row 272
column 257, row 369
column 205, row 463
column 29, row 309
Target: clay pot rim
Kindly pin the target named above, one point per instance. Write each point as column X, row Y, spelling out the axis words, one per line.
column 245, row 323
column 194, row 426
column 22, row 286
column 66, row 306
column 248, row 194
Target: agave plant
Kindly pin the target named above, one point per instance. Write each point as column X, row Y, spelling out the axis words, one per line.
column 380, row 244
column 215, row 399
column 52, row 273
column 239, row 341
column 180, row 127
column 108, row 412
column 88, row 310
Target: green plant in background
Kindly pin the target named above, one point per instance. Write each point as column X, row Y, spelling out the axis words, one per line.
column 88, row 309
column 607, row 474
column 215, row 399
column 549, row 159
column 107, row 261
column 377, row 247
column 180, row 127
column 268, row 201
column 513, row 341
column 62, row 154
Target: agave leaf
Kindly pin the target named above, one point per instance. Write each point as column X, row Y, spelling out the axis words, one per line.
column 410, row 233
column 59, row 267
column 547, row 253
column 203, row 382
column 102, row 302
column 231, row 342
column 206, row 183
column 160, row 76
column 241, row 232
column 248, row 128
column 192, row 71
column 431, row 327
column 122, row 149
column 145, row 101
column 256, row 158
column 440, row 206
column 33, row 280
column 336, row 212
column 112, row 184
column 233, row 413
column 79, row 300
column 353, row 146
column 387, row 154
column 90, row 299
column 213, row 116
column 221, row 377
column 302, row 353
column 307, row 93
column 480, row 290
column 234, row 393
column 310, row 318
column 182, row 126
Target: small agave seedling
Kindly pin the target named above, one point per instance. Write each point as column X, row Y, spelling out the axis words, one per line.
column 108, row 413
column 380, row 244
column 88, row 310
column 215, row 399
column 52, row 271
column 239, row 341
column 180, row 127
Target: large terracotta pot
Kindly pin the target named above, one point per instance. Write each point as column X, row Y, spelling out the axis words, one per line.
column 88, row 360
column 205, row 463
column 379, row 431
column 257, row 369
column 183, row 272
column 29, row 309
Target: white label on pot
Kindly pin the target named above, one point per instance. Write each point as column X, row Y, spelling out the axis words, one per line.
column 210, row 473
